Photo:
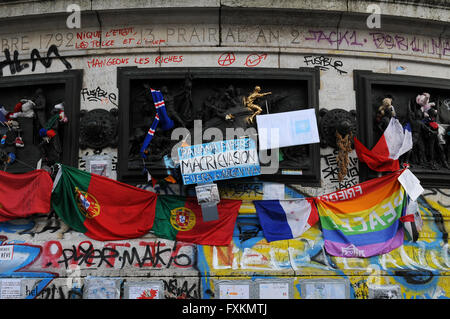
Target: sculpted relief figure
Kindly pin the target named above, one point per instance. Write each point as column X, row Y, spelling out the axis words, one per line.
column 249, row 102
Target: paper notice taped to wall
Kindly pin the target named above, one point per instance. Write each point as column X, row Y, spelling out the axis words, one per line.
column 411, row 184
column 273, row 190
column 10, row 289
column 6, row 252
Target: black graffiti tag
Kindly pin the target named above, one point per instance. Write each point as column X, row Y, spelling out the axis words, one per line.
column 324, row 63
column 16, row 65
column 98, row 95
column 155, row 255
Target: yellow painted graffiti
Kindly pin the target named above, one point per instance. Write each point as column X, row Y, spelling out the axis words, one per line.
column 415, row 270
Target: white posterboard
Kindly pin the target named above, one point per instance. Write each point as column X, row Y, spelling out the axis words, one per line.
column 287, row 129
column 275, row 290
column 325, row 289
column 142, row 292
column 101, row 288
column 238, row 291
column 273, row 191
column 10, row 289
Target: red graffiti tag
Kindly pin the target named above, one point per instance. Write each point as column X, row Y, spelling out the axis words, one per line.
column 254, row 59
column 226, row 59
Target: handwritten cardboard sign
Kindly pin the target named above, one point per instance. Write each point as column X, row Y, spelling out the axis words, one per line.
column 209, row 162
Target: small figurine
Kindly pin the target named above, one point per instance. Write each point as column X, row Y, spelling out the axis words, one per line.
column 61, row 115
column 425, row 104
column 50, row 145
column 249, row 103
column 384, row 114
column 13, row 127
column 22, row 109
column 386, row 109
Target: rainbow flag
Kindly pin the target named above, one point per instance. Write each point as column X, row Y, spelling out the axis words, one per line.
column 363, row 220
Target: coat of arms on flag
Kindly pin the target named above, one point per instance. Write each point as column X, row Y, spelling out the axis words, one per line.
column 182, row 218
column 87, row 203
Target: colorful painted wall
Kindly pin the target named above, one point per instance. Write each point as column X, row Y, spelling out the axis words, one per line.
column 51, row 261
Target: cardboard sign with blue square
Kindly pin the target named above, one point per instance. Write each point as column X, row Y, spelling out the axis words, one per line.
column 295, row 128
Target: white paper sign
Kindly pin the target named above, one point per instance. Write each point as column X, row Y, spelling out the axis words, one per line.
column 10, row 289
column 273, row 191
column 287, row 129
column 101, row 289
column 6, row 252
column 279, row 290
column 142, row 292
column 207, row 194
column 325, row 290
column 98, row 167
column 411, row 184
column 234, row 292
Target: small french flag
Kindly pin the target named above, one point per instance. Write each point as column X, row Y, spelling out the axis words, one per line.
column 383, row 157
column 286, row 219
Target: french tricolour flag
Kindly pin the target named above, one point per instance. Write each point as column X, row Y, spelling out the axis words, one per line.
column 285, row 219
column 383, row 157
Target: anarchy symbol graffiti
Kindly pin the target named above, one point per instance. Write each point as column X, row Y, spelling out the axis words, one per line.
column 226, row 59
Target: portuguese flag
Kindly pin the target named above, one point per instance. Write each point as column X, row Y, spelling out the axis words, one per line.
column 102, row 208
column 180, row 218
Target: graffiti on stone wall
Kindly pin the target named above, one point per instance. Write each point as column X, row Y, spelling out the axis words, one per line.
column 93, row 63
column 418, row 268
column 250, row 61
column 54, row 291
column 330, row 170
column 180, row 288
column 294, row 36
column 174, row 288
column 62, row 265
column 99, row 95
column 324, row 63
column 16, row 65
column 146, row 254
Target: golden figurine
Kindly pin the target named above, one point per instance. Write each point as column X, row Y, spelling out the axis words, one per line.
column 249, row 103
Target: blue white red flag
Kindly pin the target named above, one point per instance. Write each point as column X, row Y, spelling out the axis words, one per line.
column 285, row 219
column 383, row 157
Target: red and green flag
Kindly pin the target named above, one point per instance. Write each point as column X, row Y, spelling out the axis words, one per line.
column 180, row 218
column 102, row 208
